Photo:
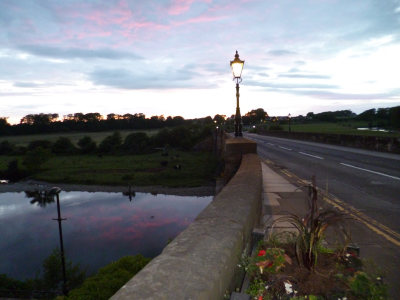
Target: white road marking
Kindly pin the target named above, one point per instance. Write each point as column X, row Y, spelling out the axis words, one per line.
column 285, row 148
column 271, row 144
column 394, row 177
column 311, row 155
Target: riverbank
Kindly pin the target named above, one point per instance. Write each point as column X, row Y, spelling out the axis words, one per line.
column 29, row 185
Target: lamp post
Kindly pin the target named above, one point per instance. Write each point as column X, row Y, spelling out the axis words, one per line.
column 290, row 117
column 237, row 67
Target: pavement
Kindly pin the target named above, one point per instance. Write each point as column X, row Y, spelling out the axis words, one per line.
column 281, row 193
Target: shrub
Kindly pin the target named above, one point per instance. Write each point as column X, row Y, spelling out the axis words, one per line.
column 109, row 279
column 63, row 145
column 87, row 145
column 45, row 144
column 136, row 142
column 35, row 158
column 275, row 127
column 111, row 144
column 6, row 148
column 14, row 173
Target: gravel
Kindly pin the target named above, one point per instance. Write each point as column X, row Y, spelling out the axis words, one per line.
column 28, row 185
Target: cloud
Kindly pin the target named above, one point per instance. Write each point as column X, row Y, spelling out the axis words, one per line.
column 281, row 52
column 70, row 53
column 309, row 76
column 163, row 79
column 327, row 95
column 290, row 86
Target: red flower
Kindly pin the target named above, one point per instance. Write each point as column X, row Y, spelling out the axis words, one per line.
column 260, row 298
column 261, row 253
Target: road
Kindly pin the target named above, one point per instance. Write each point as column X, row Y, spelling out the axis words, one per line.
column 366, row 180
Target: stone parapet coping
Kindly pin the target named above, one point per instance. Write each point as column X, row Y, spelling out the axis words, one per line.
column 201, row 263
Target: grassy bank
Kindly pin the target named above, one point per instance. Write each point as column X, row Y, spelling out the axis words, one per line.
column 349, row 128
column 197, row 169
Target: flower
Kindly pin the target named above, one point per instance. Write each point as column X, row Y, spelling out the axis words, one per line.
column 260, row 298
column 261, row 253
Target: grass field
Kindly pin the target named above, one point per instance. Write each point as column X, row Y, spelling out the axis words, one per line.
column 198, row 169
column 23, row 140
column 339, row 128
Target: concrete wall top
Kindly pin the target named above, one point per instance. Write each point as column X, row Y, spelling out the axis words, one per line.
column 201, row 263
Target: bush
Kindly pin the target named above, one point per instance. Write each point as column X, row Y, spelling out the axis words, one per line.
column 275, row 127
column 111, row 144
column 87, row 145
column 109, row 279
column 63, row 145
column 35, row 158
column 136, row 142
column 45, row 144
column 14, row 173
column 6, row 148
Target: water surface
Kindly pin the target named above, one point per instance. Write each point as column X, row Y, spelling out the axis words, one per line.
column 100, row 227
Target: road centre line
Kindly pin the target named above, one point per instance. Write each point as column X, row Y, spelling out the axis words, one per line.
column 285, row 148
column 311, row 155
column 271, row 144
column 366, row 170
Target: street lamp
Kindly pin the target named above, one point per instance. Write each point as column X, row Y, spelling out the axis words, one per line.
column 290, row 117
column 237, row 67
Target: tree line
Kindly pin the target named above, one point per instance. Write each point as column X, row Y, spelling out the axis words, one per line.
column 90, row 122
column 381, row 117
column 95, row 122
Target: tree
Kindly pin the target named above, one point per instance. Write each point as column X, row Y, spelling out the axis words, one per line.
column 382, row 113
column 34, row 159
column 394, row 116
column 367, row 115
column 4, row 126
column 219, row 119
column 39, row 119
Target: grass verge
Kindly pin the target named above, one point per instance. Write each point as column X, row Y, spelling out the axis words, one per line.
column 339, row 128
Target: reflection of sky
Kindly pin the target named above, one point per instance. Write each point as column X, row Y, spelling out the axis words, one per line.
column 100, row 228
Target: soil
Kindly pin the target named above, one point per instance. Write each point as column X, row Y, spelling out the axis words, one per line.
column 321, row 281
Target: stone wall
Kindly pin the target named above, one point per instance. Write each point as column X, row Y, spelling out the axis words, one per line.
column 233, row 150
column 384, row 144
column 201, row 263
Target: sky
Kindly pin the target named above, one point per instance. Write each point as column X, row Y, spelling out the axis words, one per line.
column 172, row 57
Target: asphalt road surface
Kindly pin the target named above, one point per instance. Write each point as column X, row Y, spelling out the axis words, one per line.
column 366, row 180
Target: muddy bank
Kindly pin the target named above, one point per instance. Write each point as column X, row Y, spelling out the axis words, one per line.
column 28, row 185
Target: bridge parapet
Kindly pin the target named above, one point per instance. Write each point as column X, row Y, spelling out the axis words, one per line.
column 201, row 263
column 233, row 150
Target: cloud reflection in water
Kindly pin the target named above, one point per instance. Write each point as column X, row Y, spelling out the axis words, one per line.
column 100, row 228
